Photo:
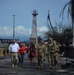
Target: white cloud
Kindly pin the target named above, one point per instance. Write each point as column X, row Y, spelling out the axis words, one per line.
column 5, row 31
column 41, row 30
column 20, row 31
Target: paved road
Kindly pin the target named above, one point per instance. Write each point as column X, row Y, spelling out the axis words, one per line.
column 27, row 69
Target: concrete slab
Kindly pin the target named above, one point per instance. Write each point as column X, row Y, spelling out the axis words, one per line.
column 27, row 69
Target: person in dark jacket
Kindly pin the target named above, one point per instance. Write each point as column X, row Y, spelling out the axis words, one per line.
column 32, row 53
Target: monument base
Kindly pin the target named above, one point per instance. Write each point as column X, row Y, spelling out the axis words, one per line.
column 33, row 40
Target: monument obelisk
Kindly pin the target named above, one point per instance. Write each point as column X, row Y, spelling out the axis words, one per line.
column 34, row 27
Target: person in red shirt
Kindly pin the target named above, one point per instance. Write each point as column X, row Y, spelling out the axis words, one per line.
column 22, row 52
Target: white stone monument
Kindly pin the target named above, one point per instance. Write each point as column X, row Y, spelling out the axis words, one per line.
column 34, row 27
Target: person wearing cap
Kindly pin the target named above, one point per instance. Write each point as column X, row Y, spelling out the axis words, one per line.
column 49, row 48
column 53, row 50
column 54, row 55
column 13, row 51
column 41, row 55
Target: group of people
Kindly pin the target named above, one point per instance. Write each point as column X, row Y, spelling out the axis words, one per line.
column 17, row 52
column 37, row 52
column 49, row 50
column 53, row 51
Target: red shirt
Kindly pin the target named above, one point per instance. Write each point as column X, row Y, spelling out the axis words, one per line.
column 22, row 49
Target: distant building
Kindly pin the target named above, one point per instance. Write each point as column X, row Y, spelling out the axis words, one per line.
column 5, row 42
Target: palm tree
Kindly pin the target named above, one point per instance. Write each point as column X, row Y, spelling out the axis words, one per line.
column 70, row 5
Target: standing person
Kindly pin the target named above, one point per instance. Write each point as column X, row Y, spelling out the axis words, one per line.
column 53, row 50
column 49, row 48
column 54, row 55
column 22, row 52
column 36, row 49
column 41, row 55
column 13, row 51
column 32, row 53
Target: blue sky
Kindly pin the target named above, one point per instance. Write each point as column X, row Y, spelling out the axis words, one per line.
column 23, row 20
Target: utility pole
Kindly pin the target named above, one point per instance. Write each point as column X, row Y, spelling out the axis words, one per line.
column 72, row 11
column 14, row 26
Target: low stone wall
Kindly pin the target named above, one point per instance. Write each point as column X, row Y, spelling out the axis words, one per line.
column 68, row 51
column 1, row 52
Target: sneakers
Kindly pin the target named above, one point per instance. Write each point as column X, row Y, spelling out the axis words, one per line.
column 53, row 67
column 41, row 68
column 14, row 66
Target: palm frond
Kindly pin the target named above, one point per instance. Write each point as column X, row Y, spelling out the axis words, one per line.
column 62, row 11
